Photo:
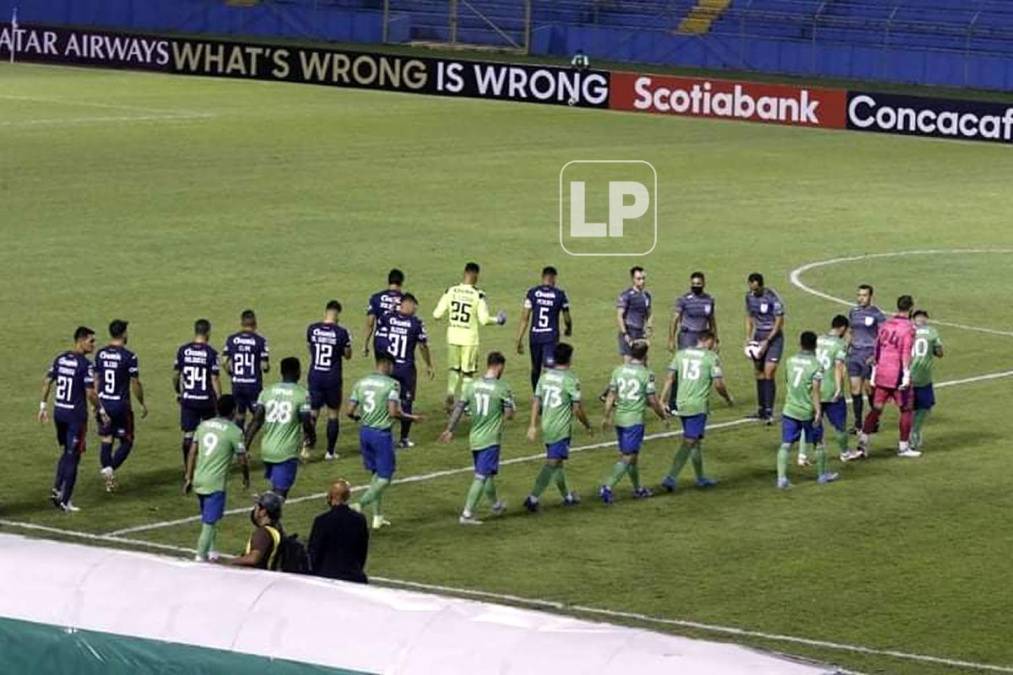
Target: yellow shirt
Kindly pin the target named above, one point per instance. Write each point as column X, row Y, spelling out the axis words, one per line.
column 467, row 310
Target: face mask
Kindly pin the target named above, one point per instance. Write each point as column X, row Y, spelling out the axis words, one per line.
column 697, row 290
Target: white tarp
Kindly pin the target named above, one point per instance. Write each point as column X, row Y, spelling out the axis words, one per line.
column 364, row 628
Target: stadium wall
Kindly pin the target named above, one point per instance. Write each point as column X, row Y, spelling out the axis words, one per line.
column 329, row 23
column 71, row 608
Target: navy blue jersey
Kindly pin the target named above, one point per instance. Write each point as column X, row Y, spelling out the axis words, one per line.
column 379, row 304
column 546, row 303
column 636, row 306
column 73, row 375
column 401, row 334
column 114, row 367
column 196, row 363
column 764, row 308
column 865, row 322
column 695, row 311
column 247, row 352
column 327, row 343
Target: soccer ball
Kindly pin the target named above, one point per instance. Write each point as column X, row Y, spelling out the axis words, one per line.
column 572, row 101
column 752, row 350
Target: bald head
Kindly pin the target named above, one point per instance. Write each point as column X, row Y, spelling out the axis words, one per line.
column 339, row 493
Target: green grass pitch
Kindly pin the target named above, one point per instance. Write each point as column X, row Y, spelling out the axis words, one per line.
column 161, row 200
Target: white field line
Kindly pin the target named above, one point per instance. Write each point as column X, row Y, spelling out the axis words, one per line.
column 557, row 606
column 77, row 121
column 796, row 278
column 107, row 106
column 426, row 477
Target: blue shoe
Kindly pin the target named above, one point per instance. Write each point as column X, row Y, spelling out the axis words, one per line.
column 605, row 492
column 827, row 477
column 668, row 483
column 705, row 482
column 531, row 504
column 571, row 499
column 783, row 484
column 642, row 493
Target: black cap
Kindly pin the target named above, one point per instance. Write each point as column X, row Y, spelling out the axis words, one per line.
column 271, row 502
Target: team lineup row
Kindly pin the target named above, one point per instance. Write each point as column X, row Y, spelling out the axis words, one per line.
column 893, row 354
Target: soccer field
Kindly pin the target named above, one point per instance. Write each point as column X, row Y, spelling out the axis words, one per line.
column 163, row 199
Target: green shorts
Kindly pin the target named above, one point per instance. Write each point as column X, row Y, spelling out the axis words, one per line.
column 463, row 358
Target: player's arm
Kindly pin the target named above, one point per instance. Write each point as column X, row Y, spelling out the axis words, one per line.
column 712, row 324
column 255, row 425
column 347, row 353
column 485, row 318
column 427, row 358
column 621, row 323
column 522, row 327
column 536, row 414
column 260, row 544
column 776, row 330
column 138, row 390
column 191, row 463
column 581, row 414
column 814, row 394
column 352, row 409
column 397, row 412
column 567, row 322
column 673, row 327
column 92, row 395
column 655, row 403
column 47, row 386
column 216, row 385
column 442, row 306
column 906, row 355
column 309, row 427
column 840, row 377
column 368, row 331
column 749, row 328
column 509, row 408
column 666, row 388
column 649, row 324
column 937, row 350
column 455, row 416
column 175, row 383
column 244, row 466
column 610, row 404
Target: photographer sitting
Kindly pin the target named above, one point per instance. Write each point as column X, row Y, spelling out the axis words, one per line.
column 263, row 547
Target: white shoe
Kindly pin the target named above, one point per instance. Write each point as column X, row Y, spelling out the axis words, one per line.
column 908, row 453
column 330, row 456
column 499, row 507
column 469, row 520
column 304, row 453
column 213, row 556
column 803, row 460
column 380, row 521
column 197, row 558
column 69, row 507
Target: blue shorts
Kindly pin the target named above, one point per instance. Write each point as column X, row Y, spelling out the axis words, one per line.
column 542, row 354
column 835, row 412
column 70, row 434
column 325, row 394
column 925, row 397
column 212, row 507
column 687, row 339
column 630, row 439
column 792, row 430
column 693, row 426
column 486, row 461
column 774, row 350
column 377, row 448
column 635, row 334
column 558, row 450
column 406, row 376
column 859, row 362
column 191, row 417
column 246, row 398
column 281, row 475
column 121, row 421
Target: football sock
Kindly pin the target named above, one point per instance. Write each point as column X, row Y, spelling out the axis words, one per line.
column 821, row 459
column 681, row 457
column 634, row 471
column 562, row 484
column 871, row 421
column 453, row 380
column 489, row 489
column 377, row 489
column 474, row 494
column 916, row 429
column 69, row 475
column 406, row 424
column 760, row 392
column 332, row 435
column 370, row 494
column 466, row 379
column 856, row 407
column 771, row 396
column 906, row 418
column 542, row 480
column 187, row 437
column 536, row 372
column 803, row 447
column 206, row 541
column 696, row 454
column 121, row 454
column 619, row 470
column 842, row 441
column 240, row 421
column 782, row 461
column 106, row 454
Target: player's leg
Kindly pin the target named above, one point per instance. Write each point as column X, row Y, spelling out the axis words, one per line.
column 857, row 384
column 107, row 434
column 333, row 403
column 61, row 440
column 815, row 434
column 619, row 469
column 283, row 477
column 212, row 508
column 537, row 352
column 691, row 426
column 490, row 468
column 189, row 419
column 454, row 356
column 836, row 413
column 72, row 457
column 570, row 497
column 696, row 454
column 385, row 467
column 791, row 431
column 925, row 400
column 905, row 401
column 408, row 381
column 551, row 471
column 485, row 461
column 126, row 438
column 771, row 360
column 880, row 397
column 469, row 364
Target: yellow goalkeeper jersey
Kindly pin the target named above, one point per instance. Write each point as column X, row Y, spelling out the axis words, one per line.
column 467, row 310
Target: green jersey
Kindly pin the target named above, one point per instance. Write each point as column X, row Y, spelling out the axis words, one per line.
column 218, row 439
column 631, row 384
column 285, row 404
column 800, row 372
column 695, row 369
column 927, row 343
column 558, row 389
column 486, row 400
column 830, row 350
column 373, row 393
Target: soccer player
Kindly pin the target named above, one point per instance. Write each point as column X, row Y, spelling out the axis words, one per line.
column 75, row 388
column 217, row 441
column 692, row 314
column 489, row 401
column 633, row 313
column 802, row 409
column 543, row 303
column 398, row 333
column 631, row 391
column 116, row 375
column 555, row 404
column 374, row 403
column 695, row 370
column 832, row 353
column 765, row 325
column 865, row 319
column 928, row 347
column 246, row 359
column 329, row 343
column 380, row 303
column 891, row 379
column 195, row 379
column 283, row 410
column 467, row 310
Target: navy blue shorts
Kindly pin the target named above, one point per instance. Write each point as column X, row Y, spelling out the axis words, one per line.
column 281, row 475
column 406, row 376
column 792, row 430
column 542, row 354
column 630, row 439
column 693, row 426
column 486, row 461
column 558, row 450
column 687, row 339
column 774, row 350
column 190, row 418
column 70, row 434
column 377, row 448
column 834, row 412
column 860, row 362
column 635, row 335
column 121, row 421
column 325, row 395
column 212, row 507
column 246, row 398
column 925, row 397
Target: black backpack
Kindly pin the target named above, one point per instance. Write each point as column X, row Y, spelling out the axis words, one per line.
column 291, row 555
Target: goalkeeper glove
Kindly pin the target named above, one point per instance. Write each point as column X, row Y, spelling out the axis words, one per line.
column 501, row 317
